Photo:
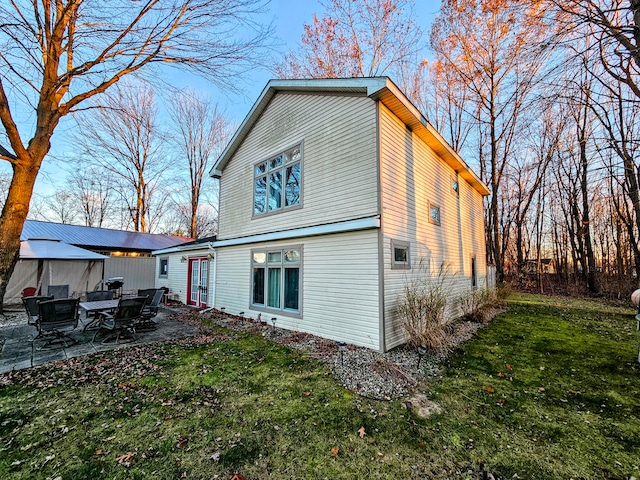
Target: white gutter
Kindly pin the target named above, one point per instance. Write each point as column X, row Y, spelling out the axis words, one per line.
column 183, row 248
column 330, row 228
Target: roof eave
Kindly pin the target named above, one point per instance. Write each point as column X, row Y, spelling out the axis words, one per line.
column 393, row 98
column 183, row 248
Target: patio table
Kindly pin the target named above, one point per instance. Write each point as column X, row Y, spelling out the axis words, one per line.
column 97, row 306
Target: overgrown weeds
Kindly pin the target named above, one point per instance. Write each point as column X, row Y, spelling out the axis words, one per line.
column 478, row 305
column 421, row 309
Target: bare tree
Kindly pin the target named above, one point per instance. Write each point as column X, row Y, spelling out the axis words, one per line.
column 92, row 192
column 356, row 38
column 201, row 131
column 614, row 28
column 54, row 56
column 607, row 35
column 122, row 136
column 61, row 207
column 493, row 49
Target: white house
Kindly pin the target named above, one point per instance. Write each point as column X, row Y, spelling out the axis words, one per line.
column 333, row 194
column 185, row 270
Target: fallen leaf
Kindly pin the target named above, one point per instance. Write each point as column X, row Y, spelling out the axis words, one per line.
column 488, row 389
column 335, row 451
column 500, row 374
column 509, row 367
column 182, row 442
column 237, row 476
column 126, row 459
column 99, row 451
column 541, row 389
column 361, row 432
column 306, row 394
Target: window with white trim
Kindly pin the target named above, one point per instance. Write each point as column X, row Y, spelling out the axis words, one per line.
column 400, row 255
column 277, row 182
column 276, row 279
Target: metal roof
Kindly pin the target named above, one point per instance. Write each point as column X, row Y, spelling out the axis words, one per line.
column 380, row 89
column 98, row 238
column 55, row 249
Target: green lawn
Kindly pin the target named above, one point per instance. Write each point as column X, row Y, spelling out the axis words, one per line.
column 550, row 389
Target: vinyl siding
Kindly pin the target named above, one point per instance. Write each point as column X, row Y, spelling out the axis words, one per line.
column 412, row 175
column 177, row 278
column 338, row 137
column 340, row 283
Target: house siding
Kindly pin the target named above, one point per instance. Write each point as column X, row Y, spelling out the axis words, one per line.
column 412, row 176
column 338, row 137
column 178, row 279
column 340, row 282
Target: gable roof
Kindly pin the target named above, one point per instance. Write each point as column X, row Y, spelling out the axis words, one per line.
column 98, row 238
column 377, row 88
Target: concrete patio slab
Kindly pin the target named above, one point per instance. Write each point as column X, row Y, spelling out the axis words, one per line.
column 19, row 349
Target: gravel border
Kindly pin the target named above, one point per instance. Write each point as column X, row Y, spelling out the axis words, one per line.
column 381, row 376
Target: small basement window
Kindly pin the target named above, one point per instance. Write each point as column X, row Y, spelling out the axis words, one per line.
column 400, row 255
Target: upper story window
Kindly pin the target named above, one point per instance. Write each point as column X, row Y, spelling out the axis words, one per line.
column 434, row 214
column 455, row 185
column 277, row 182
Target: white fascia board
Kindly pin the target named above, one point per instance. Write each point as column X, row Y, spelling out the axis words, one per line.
column 183, row 248
column 330, row 228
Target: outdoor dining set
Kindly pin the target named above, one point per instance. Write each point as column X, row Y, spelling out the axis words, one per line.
column 112, row 319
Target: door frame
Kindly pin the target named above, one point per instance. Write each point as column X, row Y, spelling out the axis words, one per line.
column 190, row 262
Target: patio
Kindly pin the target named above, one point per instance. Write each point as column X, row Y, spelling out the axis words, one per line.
column 18, row 351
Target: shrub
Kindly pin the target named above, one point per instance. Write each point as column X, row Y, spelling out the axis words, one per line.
column 421, row 309
column 476, row 304
column 503, row 291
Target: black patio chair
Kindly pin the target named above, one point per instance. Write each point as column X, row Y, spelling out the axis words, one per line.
column 99, row 295
column 150, row 310
column 149, row 292
column 58, row 291
column 31, row 307
column 54, row 316
column 121, row 323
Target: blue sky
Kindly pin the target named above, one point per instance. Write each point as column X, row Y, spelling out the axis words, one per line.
column 288, row 17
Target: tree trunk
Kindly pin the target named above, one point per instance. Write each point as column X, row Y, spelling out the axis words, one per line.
column 13, row 216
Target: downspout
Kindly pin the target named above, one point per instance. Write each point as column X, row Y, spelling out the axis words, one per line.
column 214, row 273
column 382, row 347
